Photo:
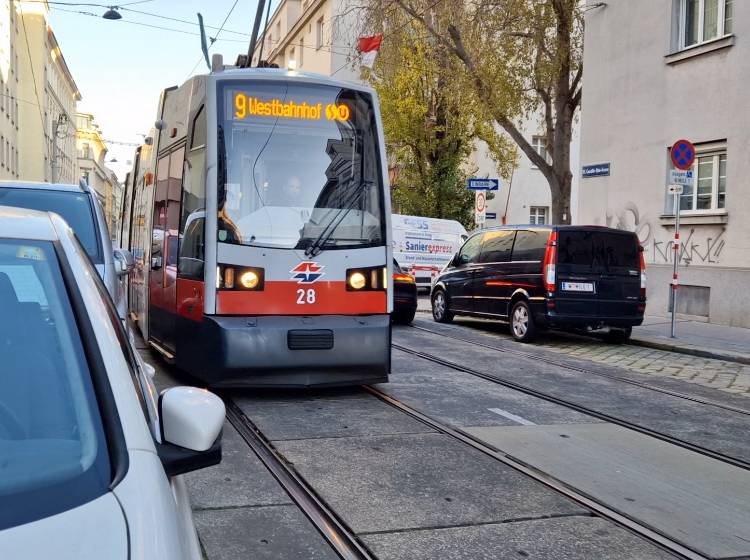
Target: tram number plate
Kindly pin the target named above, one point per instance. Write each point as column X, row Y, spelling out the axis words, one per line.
column 306, row 296
column 578, row 287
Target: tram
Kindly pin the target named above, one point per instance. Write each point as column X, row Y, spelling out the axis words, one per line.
column 258, row 213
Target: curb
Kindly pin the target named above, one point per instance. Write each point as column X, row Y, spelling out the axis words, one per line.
column 698, row 351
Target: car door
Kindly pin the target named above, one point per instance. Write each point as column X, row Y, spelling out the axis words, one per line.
column 459, row 280
column 492, row 288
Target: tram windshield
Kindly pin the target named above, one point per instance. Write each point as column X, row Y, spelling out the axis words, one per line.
column 299, row 167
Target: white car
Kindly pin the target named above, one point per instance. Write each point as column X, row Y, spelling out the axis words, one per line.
column 90, row 456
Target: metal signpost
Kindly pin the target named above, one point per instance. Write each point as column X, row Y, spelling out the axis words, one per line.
column 683, row 157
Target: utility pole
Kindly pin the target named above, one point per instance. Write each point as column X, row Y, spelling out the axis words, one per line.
column 58, row 132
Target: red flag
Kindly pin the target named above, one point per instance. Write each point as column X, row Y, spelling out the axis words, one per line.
column 368, row 44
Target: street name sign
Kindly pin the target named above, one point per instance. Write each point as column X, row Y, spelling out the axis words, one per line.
column 491, row 215
column 684, row 177
column 682, row 154
column 483, row 184
column 596, row 170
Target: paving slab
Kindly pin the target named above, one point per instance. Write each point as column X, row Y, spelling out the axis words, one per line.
column 264, row 533
column 417, row 481
column 569, row 538
column 239, row 480
column 325, row 414
column 461, row 399
column 713, row 428
column 701, row 502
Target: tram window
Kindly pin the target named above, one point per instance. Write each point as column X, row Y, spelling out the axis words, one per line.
column 192, row 220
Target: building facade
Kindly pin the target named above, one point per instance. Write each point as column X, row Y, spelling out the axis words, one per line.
column 313, row 36
column 657, row 72
column 47, row 147
column 91, row 151
column 9, row 80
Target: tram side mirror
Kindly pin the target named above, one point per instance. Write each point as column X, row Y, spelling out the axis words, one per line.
column 190, row 420
column 124, row 261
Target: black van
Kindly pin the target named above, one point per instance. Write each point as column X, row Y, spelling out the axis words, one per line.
column 539, row 277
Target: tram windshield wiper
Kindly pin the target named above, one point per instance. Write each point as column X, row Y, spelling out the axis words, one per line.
column 317, row 245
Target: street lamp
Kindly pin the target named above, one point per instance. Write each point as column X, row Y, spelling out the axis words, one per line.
column 112, row 13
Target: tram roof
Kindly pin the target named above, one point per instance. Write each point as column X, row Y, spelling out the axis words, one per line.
column 231, row 73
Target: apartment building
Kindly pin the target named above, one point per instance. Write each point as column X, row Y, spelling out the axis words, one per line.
column 91, row 151
column 47, row 147
column 9, row 78
column 657, row 72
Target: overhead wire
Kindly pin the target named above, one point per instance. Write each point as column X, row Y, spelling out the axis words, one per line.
column 214, row 39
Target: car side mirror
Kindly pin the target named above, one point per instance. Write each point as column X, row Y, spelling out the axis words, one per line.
column 190, row 421
column 124, row 261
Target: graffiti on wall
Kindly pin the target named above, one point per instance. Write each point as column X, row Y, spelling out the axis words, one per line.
column 700, row 246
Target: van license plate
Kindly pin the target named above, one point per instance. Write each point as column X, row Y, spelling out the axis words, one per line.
column 578, row 287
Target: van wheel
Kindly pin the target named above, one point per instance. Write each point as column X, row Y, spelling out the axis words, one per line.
column 618, row 336
column 522, row 326
column 440, row 311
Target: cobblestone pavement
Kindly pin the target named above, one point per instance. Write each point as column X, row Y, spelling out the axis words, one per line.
column 725, row 376
column 717, row 374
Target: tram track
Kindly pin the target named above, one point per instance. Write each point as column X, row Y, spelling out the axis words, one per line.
column 650, row 534
column 574, row 406
column 589, row 371
column 336, row 533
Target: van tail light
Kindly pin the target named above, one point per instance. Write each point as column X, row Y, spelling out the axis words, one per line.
column 643, row 274
column 550, row 258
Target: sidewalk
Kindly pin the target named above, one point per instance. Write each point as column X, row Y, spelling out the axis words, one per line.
column 698, row 339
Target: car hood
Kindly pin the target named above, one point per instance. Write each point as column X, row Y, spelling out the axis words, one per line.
column 93, row 531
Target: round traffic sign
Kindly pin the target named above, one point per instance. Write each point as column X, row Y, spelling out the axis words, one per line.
column 682, row 154
column 481, row 201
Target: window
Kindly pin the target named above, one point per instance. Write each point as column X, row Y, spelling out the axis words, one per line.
column 301, row 52
column 709, row 190
column 292, row 57
column 319, row 33
column 55, row 445
column 704, row 20
column 538, row 215
column 497, row 245
column 539, row 143
column 470, row 251
column 192, row 220
column 530, row 245
column 86, row 151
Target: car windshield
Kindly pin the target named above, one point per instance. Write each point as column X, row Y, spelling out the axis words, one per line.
column 301, row 166
column 53, row 455
column 74, row 207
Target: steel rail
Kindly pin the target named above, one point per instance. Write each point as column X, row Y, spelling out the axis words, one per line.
column 554, row 362
column 336, row 533
column 577, row 407
column 650, row 534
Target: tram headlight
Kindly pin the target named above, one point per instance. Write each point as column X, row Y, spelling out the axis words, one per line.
column 250, row 279
column 241, row 278
column 366, row 279
column 357, row 280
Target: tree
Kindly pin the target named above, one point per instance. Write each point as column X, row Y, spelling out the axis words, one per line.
column 431, row 123
column 517, row 57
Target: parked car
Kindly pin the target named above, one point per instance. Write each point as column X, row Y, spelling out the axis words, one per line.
column 404, row 296
column 90, row 459
column 539, row 277
column 424, row 246
column 80, row 207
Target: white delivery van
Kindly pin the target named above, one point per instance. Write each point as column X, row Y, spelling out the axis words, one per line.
column 423, row 246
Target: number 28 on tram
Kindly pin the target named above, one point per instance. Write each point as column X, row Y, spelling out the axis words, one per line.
column 279, row 238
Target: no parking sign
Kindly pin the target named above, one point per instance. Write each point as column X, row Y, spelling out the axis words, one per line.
column 480, row 207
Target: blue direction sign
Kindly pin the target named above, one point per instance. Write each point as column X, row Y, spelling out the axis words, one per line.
column 483, row 184
column 596, row 170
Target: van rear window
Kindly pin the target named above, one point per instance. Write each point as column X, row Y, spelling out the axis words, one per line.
column 597, row 249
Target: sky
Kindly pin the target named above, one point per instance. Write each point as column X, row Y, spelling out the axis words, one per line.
column 121, row 67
